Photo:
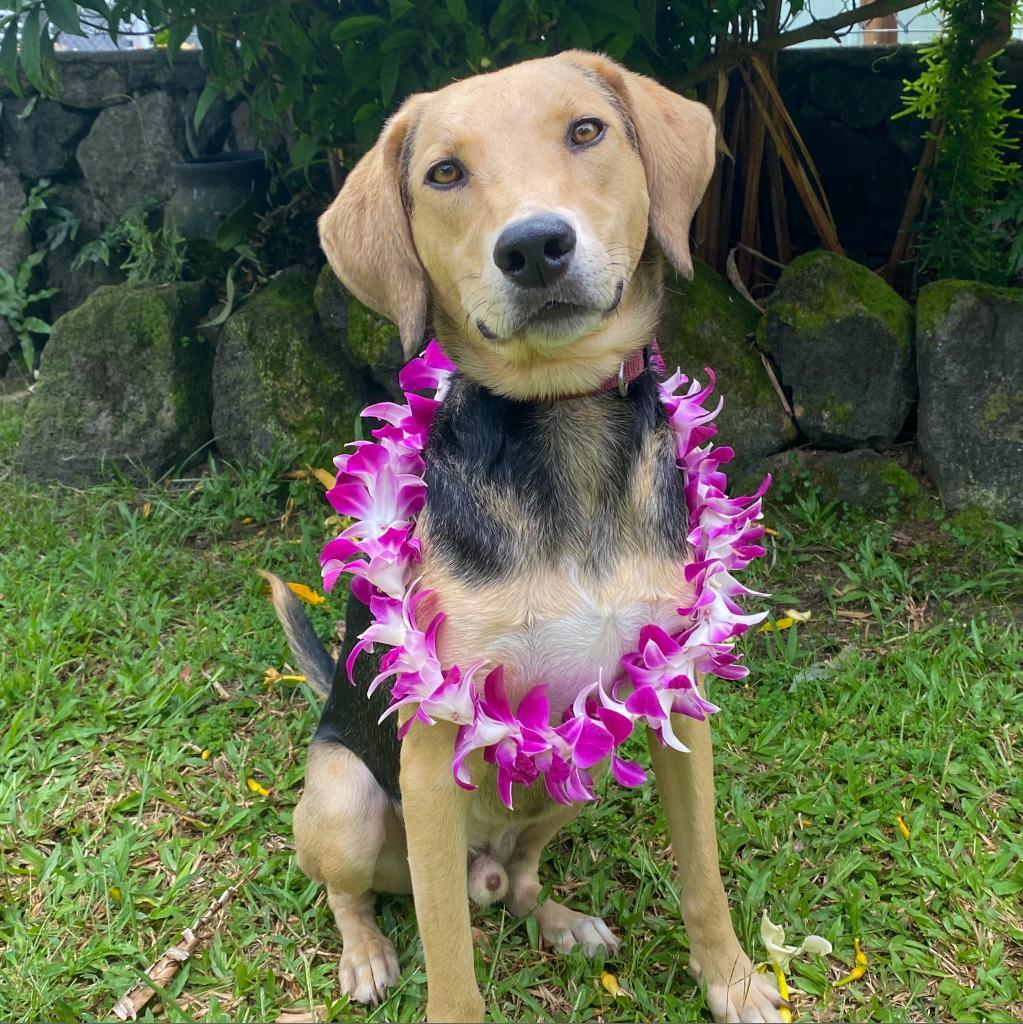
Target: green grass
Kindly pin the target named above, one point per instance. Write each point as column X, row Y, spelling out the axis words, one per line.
column 134, row 635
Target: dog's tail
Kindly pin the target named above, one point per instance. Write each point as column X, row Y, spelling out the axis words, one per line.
column 312, row 658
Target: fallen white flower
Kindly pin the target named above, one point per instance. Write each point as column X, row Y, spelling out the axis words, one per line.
column 773, row 938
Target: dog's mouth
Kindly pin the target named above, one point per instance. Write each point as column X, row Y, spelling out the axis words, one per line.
column 553, row 318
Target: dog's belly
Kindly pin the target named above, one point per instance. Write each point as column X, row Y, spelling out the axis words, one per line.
column 561, row 626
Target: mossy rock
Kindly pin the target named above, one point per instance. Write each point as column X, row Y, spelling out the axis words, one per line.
column 124, row 384
column 842, row 340
column 970, row 364
column 370, row 342
column 706, row 323
column 281, row 385
column 861, row 479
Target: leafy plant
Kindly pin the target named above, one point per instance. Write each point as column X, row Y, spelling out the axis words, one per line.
column 17, row 301
column 154, row 255
column 334, row 71
column 20, row 295
column 961, row 94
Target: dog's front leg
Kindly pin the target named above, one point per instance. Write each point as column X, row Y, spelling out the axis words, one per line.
column 686, row 783
column 436, row 815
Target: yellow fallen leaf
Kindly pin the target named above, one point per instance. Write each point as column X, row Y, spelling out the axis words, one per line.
column 256, row 788
column 146, row 509
column 903, row 827
column 609, row 983
column 271, row 676
column 798, row 616
column 770, row 532
column 859, row 970
column 205, row 755
column 248, row 521
column 778, row 624
column 327, row 479
column 307, row 594
column 115, row 892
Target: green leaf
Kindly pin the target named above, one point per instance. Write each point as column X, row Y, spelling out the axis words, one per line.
column 400, row 39
column 390, row 66
column 64, row 14
column 31, row 55
column 357, row 25
column 206, row 100
column 458, row 11
column 226, row 309
column 35, row 325
column 26, row 111
column 303, row 151
column 176, row 35
column 237, row 224
column 9, row 57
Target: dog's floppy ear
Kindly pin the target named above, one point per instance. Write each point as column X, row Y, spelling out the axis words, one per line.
column 676, row 139
column 367, row 238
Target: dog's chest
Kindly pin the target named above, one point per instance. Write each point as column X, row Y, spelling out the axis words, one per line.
column 552, row 533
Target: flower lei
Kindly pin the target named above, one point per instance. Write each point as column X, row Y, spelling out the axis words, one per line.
column 380, row 485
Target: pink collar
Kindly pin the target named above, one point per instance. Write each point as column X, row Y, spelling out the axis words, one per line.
column 627, row 372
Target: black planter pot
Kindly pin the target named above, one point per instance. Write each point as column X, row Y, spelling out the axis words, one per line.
column 210, row 188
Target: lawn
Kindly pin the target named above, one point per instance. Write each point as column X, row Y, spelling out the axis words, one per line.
column 138, row 680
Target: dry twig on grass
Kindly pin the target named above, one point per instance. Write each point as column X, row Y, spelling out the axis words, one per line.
column 163, row 971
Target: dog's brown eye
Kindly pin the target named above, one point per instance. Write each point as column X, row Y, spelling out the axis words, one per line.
column 586, row 131
column 447, row 172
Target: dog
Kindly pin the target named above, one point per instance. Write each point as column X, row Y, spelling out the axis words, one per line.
column 525, row 214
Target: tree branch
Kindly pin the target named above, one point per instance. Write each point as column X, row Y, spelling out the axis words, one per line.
column 823, row 28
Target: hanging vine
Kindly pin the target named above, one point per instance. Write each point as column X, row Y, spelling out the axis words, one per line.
column 967, row 184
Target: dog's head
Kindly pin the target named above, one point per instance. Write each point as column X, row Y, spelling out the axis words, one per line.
column 518, row 207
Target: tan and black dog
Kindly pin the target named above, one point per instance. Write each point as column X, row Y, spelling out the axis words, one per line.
column 522, row 214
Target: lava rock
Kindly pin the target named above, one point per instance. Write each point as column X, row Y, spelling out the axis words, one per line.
column 281, row 385
column 707, row 323
column 124, row 385
column 862, row 478
column 843, row 343
column 14, row 245
column 127, row 154
column 370, row 342
column 970, row 364
column 42, row 144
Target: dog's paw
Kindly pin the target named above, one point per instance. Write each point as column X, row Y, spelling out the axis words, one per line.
column 368, row 968
column 565, row 929
column 734, row 991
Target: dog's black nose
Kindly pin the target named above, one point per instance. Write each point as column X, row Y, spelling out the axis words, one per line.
column 536, row 251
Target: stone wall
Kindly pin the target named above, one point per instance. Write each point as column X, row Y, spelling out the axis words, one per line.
column 122, row 119
column 842, row 100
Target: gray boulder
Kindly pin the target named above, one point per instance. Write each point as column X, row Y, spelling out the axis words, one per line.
column 127, row 154
column 843, row 343
column 124, row 384
column 281, row 384
column 707, row 323
column 970, row 363
column 862, row 478
column 41, row 145
column 370, row 342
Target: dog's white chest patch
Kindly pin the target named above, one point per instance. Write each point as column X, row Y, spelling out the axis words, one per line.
column 563, row 628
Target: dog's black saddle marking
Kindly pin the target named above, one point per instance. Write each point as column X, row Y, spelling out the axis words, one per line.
column 504, row 478
column 351, row 717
